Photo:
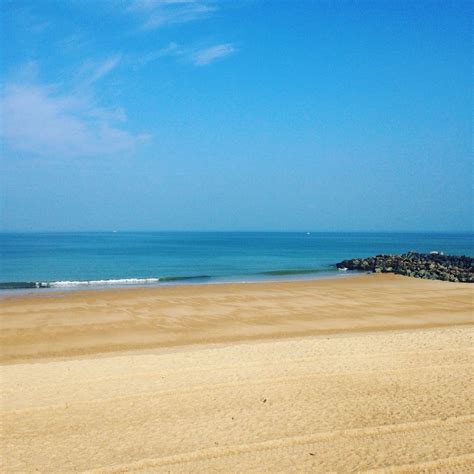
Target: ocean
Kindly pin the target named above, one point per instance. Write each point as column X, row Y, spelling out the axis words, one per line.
column 35, row 261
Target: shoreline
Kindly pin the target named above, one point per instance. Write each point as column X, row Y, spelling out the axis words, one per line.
column 140, row 283
column 88, row 322
column 85, row 289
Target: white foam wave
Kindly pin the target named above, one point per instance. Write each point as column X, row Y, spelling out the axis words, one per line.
column 122, row 281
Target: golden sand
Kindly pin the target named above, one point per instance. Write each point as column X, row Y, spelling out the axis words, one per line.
column 357, row 374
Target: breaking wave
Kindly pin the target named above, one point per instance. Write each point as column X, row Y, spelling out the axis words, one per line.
column 120, row 282
column 19, row 285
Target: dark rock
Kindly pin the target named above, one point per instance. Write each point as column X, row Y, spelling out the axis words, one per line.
column 433, row 266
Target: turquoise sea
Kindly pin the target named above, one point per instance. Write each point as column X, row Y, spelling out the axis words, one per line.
column 98, row 259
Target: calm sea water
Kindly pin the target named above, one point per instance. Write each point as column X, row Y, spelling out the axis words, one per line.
column 74, row 260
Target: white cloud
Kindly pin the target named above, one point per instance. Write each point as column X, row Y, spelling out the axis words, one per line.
column 208, row 55
column 171, row 50
column 157, row 13
column 94, row 72
column 41, row 122
column 195, row 56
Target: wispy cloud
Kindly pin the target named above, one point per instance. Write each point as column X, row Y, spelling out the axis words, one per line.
column 171, row 50
column 97, row 70
column 158, row 13
column 189, row 55
column 206, row 56
column 42, row 122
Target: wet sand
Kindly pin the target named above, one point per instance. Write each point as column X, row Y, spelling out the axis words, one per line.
column 353, row 374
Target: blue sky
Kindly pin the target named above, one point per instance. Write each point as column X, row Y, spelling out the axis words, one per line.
column 246, row 115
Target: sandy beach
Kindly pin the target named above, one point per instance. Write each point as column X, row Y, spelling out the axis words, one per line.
column 371, row 373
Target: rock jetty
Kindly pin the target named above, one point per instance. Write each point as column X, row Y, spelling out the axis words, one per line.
column 433, row 266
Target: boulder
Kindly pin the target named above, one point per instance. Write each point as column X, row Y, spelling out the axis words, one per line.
column 433, row 266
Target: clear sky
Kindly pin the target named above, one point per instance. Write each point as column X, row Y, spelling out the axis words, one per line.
column 242, row 115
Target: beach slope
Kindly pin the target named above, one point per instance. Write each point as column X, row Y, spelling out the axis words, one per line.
column 359, row 374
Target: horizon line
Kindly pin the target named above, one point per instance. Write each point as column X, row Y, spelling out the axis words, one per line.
column 297, row 231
